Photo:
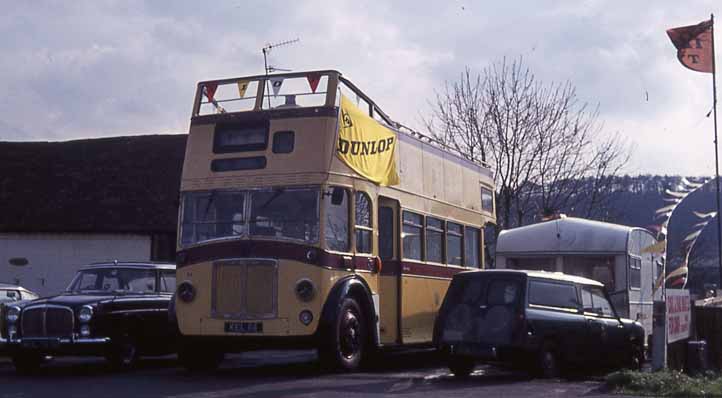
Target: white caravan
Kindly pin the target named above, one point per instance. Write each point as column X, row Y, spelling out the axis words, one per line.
column 609, row 253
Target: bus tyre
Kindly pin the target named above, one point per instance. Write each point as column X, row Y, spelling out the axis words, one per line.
column 199, row 359
column 345, row 344
column 460, row 366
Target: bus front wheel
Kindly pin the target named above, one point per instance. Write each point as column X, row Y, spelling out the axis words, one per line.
column 346, row 341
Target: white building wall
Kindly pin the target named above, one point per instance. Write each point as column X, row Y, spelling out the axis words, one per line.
column 54, row 258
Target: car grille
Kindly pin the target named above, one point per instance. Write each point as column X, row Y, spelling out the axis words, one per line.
column 245, row 289
column 47, row 321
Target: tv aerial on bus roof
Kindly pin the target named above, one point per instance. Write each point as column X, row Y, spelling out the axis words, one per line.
column 267, row 49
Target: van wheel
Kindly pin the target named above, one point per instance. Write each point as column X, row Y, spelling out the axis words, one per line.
column 199, row 359
column 461, row 366
column 548, row 361
column 27, row 363
column 346, row 341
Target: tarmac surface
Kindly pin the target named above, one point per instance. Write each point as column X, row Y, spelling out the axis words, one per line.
column 284, row 374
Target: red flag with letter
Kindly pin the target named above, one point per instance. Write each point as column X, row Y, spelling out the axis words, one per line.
column 694, row 45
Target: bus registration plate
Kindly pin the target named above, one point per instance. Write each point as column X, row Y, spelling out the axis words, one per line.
column 244, row 327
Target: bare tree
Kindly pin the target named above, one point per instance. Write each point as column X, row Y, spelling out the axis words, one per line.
column 547, row 148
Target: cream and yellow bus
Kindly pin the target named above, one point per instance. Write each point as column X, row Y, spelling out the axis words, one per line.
column 309, row 218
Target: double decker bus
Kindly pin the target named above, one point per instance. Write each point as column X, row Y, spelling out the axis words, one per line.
column 309, row 218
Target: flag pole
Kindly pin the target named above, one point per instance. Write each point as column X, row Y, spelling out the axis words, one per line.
column 716, row 156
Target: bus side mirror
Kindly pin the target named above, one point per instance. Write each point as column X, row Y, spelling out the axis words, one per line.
column 337, row 196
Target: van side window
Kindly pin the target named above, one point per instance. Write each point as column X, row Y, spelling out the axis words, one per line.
column 553, row 294
column 596, row 302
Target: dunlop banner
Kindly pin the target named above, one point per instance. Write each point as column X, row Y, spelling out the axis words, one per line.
column 366, row 146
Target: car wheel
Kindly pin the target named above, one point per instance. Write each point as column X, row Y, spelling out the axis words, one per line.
column 123, row 354
column 461, row 366
column 548, row 361
column 199, row 359
column 27, row 362
column 346, row 341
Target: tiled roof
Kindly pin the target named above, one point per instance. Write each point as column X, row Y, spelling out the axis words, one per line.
column 120, row 184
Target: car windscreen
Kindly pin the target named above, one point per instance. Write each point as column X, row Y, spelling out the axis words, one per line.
column 114, row 280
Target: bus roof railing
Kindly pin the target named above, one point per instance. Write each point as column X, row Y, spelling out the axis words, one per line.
column 332, row 85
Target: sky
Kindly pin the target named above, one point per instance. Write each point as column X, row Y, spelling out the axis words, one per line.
column 81, row 69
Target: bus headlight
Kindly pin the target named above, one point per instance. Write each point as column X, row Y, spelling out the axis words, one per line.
column 305, row 291
column 85, row 313
column 12, row 315
column 85, row 330
column 186, row 292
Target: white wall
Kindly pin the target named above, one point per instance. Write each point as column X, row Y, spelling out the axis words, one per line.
column 54, row 258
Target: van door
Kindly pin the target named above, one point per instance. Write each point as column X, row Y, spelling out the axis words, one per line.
column 605, row 337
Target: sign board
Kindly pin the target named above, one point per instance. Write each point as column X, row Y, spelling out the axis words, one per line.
column 679, row 317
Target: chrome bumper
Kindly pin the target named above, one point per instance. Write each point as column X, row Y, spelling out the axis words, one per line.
column 20, row 341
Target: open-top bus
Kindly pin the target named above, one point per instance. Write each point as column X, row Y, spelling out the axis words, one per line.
column 309, row 218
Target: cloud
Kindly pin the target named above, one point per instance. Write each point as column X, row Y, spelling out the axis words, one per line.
column 98, row 68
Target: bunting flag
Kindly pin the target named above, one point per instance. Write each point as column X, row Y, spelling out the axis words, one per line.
column 676, row 195
column 694, row 45
column 242, row 87
column 276, row 83
column 658, row 247
column 209, row 89
column 711, row 214
column 313, row 79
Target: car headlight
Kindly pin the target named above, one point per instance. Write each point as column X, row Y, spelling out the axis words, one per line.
column 85, row 313
column 186, row 292
column 13, row 314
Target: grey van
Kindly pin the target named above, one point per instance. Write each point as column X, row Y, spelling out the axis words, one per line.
column 543, row 319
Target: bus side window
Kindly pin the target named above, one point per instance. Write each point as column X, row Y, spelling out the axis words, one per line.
column 454, row 237
column 413, row 235
column 471, row 247
column 336, row 225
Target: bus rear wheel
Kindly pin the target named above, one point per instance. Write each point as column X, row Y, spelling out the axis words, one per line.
column 346, row 342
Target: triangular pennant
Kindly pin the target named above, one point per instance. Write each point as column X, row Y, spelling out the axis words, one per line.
column 711, row 214
column 675, row 194
column 313, row 79
column 658, row 247
column 665, row 209
column 210, row 91
column 690, row 184
column 692, row 236
column 276, row 83
column 242, row 87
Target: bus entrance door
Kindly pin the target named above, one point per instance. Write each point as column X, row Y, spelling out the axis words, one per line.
column 389, row 283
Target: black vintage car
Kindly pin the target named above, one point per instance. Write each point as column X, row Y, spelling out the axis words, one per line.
column 118, row 310
column 533, row 319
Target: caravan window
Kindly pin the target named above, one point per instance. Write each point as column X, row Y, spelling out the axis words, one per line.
column 635, row 270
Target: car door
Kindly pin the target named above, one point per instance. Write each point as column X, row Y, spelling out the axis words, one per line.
column 605, row 334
